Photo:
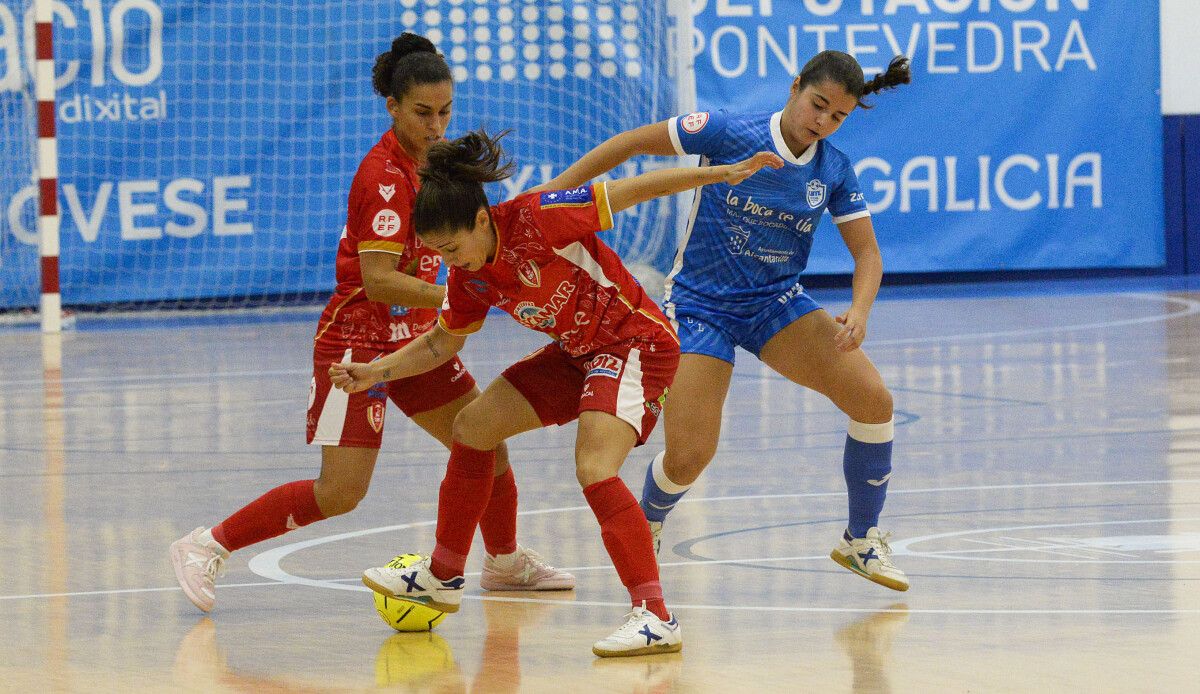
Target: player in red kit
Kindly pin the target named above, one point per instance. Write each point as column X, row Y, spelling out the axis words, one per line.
column 614, row 355
column 386, row 296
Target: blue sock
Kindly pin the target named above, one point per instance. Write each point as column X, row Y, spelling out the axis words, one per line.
column 659, row 493
column 867, row 465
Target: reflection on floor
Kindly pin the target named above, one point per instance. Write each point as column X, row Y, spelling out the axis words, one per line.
column 1045, row 503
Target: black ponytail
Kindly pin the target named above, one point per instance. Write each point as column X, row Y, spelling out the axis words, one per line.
column 452, row 181
column 412, row 60
column 842, row 69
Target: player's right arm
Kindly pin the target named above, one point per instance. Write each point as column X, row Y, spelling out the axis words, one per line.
column 425, row 353
column 386, row 283
column 654, row 139
column 627, row 192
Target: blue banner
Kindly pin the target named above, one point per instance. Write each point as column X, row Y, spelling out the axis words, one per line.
column 1029, row 139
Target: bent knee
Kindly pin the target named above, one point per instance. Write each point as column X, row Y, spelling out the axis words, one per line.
column 472, row 430
column 335, row 501
column 873, row 405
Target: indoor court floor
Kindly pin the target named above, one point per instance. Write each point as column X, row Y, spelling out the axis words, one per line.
column 1045, row 503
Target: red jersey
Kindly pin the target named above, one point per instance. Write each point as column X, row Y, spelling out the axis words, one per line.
column 553, row 275
column 379, row 220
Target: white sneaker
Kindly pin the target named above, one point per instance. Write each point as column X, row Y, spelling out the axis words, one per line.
column 416, row 583
column 643, row 633
column 656, row 533
column 871, row 558
column 197, row 566
column 526, row 571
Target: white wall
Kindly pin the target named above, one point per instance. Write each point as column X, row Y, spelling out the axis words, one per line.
column 1180, row 56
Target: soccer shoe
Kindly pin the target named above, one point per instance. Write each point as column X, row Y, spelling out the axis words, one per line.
column 417, row 584
column 529, row 571
column 871, row 558
column 656, row 534
column 643, row 633
column 197, row 566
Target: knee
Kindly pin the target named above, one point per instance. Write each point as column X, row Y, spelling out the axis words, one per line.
column 589, row 470
column 684, row 463
column 335, row 500
column 471, row 429
column 874, row 404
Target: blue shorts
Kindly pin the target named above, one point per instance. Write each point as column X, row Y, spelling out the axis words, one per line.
column 712, row 332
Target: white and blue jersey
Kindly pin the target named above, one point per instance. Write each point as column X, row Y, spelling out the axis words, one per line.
column 736, row 274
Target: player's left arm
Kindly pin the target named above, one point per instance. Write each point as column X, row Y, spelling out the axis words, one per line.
column 859, row 236
column 423, row 354
column 386, row 282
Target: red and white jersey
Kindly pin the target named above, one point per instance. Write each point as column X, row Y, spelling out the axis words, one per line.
column 379, row 220
column 553, row 275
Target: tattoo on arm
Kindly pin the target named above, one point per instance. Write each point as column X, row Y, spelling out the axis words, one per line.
column 432, row 346
column 386, row 375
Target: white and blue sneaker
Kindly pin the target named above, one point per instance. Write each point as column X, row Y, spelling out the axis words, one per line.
column 871, row 558
column 416, row 583
column 643, row 633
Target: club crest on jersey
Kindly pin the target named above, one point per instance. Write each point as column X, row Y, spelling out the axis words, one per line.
column 375, row 415
column 386, row 223
column 816, row 193
column 386, row 192
column 693, row 123
column 529, row 274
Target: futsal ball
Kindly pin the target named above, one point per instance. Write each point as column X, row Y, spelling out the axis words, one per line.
column 405, row 615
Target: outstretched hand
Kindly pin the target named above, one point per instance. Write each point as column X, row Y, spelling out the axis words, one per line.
column 736, row 173
column 351, row 377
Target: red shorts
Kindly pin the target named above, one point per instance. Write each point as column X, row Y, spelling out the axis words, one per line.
column 336, row 418
column 621, row 380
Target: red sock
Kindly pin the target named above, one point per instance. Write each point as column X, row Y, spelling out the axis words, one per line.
column 463, row 497
column 499, row 522
column 627, row 538
column 284, row 508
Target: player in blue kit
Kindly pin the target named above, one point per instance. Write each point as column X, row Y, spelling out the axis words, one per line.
column 735, row 284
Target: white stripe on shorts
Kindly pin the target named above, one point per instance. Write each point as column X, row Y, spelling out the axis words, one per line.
column 631, row 396
column 333, row 414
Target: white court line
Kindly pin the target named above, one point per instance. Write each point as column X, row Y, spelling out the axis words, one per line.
column 266, row 564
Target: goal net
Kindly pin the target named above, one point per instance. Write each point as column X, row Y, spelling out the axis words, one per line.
column 206, row 148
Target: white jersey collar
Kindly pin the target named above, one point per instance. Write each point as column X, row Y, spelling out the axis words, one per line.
column 781, row 147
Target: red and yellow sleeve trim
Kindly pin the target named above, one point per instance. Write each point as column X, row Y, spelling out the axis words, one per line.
column 472, row 328
column 600, row 192
column 384, row 246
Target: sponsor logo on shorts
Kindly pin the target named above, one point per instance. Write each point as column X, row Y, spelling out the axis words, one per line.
column 375, row 415
column 693, row 123
column 386, row 223
column 655, row 406
column 604, row 365
column 459, row 372
column 312, row 393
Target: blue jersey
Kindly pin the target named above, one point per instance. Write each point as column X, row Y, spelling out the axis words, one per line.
column 746, row 244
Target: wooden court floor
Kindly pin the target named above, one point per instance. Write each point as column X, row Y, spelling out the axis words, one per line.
column 1045, row 503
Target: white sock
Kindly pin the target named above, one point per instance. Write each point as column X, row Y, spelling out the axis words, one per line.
column 504, row 562
column 206, row 538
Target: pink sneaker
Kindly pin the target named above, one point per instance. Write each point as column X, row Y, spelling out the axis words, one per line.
column 197, row 567
column 528, row 572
